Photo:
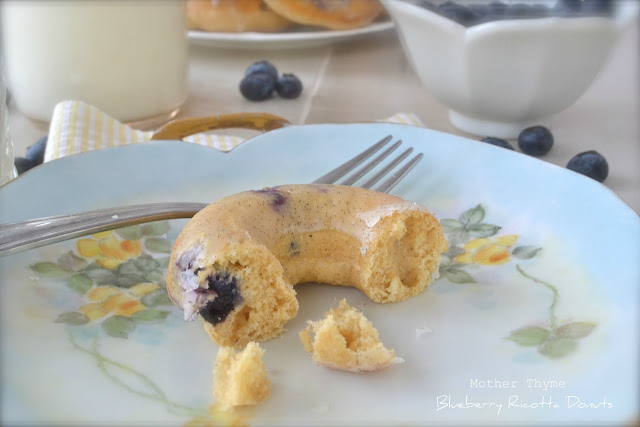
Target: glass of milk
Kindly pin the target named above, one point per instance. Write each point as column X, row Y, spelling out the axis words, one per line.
column 7, row 169
column 125, row 57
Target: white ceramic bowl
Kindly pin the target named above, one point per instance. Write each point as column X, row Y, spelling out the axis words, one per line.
column 502, row 76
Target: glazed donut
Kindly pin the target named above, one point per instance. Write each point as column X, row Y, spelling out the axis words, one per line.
column 332, row 14
column 234, row 16
column 236, row 261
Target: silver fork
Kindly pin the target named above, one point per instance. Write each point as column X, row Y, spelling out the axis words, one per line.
column 20, row 236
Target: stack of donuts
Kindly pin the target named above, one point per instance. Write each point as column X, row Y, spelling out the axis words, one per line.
column 278, row 15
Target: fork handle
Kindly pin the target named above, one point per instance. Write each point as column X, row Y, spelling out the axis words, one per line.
column 19, row 236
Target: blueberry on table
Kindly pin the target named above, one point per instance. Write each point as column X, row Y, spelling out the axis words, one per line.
column 518, row 11
column 257, row 86
column 497, row 9
column 598, row 7
column 35, row 152
column 535, row 141
column 426, row 4
column 567, row 7
column 457, row 12
column 590, row 163
column 263, row 66
column 22, row 164
column 539, row 11
column 288, row 86
column 498, row 142
column 480, row 12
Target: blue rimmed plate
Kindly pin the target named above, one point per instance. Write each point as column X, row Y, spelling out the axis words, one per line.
column 534, row 317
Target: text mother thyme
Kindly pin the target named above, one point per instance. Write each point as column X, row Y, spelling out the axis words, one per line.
column 514, row 401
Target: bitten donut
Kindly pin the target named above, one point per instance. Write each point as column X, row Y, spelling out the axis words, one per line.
column 332, row 14
column 233, row 16
column 236, row 262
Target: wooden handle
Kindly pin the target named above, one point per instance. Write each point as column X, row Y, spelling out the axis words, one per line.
column 178, row 129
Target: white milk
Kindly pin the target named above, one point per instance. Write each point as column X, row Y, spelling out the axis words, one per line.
column 126, row 57
column 7, row 170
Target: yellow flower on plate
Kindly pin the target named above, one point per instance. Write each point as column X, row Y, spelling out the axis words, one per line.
column 491, row 255
column 107, row 300
column 93, row 310
column 88, row 248
column 129, row 308
column 108, row 250
column 485, row 251
column 474, row 244
column 102, row 292
column 142, row 289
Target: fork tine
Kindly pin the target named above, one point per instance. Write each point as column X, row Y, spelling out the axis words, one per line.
column 342, row 170
column 378, row 176
column 373, row 163
column 394, row 179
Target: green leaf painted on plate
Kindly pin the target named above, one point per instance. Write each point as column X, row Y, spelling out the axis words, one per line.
column 154, row 276
column 132, row 232
column 118, row 326
column 101, row 276
column 80, row 283
column 157, row 228
column 146, row 263
column 157, row 298
column 456, row 237
column 128, row 267
column 129, row 280
column 575, row 330
column 163, row 261
column 525, row 252
column 72, row 318
column 72, row 262
column 158, row 244
column 529, row 336
column 473, row 215
column 456, row 275
column 454, row 251
column 50, row 270
column 449, row 225
column 556, row 348
column 150, row 315
column 484, row 230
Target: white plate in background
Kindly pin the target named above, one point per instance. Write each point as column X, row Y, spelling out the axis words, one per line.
column 294, row 39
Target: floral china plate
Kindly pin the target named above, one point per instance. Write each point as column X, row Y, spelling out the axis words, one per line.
column 534, row 318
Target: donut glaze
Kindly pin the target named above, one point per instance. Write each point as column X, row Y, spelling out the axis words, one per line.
column 235, row 262
column 331, row 14
column 233, row 16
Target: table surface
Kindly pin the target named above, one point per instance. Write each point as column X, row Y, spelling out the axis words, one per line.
column 370, row 79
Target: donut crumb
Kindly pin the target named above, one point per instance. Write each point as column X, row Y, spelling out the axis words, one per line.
column 240, row 378
column 345, row 339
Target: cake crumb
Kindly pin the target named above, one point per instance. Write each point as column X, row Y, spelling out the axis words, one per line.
column 345, row 339
column 240, row 378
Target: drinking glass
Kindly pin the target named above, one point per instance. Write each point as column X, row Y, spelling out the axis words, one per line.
column 7, row 169
column 125, row 57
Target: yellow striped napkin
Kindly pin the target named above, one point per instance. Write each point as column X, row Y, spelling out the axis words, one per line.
column 77, row 127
